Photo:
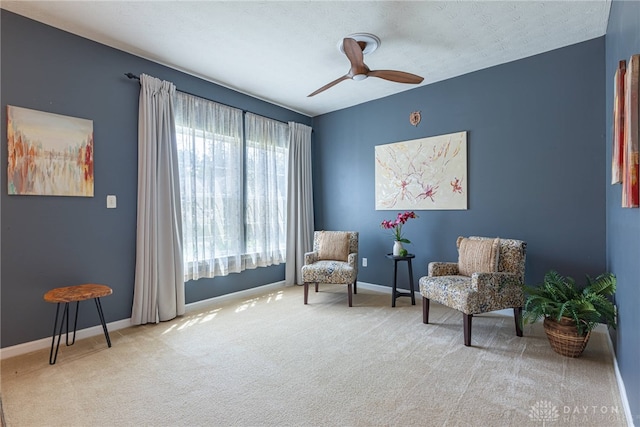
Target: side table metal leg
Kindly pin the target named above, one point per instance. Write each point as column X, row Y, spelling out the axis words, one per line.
column 65, row 315
column 52, row 360
column 75, row 325
column 395, row 281
column 413, row 294
column 104, row 325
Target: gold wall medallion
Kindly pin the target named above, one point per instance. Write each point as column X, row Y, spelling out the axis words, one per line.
column 414, row 118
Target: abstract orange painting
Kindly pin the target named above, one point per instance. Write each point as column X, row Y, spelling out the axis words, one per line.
column 618, row 123
column 630, row 187
column 49, row 154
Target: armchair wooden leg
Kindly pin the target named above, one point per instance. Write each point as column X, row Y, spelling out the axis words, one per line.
column 517, row 314
column 349, row 291
column 355, row 286
column 316, row 286
column 306, row 292
column 466, row 322
column 425, row 310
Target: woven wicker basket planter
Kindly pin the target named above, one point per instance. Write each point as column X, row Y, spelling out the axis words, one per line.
column 564, row 338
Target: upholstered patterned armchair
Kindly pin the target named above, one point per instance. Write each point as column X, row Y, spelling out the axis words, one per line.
column 334, row 260
column 488, row 276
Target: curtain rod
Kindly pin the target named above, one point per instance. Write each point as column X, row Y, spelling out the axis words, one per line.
column 134, row 77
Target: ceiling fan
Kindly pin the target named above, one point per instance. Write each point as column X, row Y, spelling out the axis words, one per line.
column 355, row 46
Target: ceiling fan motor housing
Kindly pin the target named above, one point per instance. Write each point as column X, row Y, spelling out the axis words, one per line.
column 371, row 42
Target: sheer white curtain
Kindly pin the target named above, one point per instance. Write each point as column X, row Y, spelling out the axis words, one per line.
column 209, row 137
column 159, row 278
column 267, row 143
column 299, row 202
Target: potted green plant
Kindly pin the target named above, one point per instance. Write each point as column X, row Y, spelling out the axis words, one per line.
column 570, row 313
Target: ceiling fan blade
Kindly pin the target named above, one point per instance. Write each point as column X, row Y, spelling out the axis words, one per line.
column 396, row 76
column 328, row 85
column 354, row 52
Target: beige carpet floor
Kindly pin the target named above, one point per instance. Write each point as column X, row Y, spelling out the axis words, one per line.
column 272, row 361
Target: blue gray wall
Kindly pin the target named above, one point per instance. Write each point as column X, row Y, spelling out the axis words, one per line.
column 623, row 225
column 536, row 163
column 538, row 148
column 59, row 241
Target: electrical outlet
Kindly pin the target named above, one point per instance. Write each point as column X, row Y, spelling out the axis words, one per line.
column 364, row 262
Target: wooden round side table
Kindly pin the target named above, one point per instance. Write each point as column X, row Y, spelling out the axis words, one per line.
column 75, row 294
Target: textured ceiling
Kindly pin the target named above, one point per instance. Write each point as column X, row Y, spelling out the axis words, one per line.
column 282, row 51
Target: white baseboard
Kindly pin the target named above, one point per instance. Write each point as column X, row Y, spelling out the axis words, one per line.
column 621, row 387
column 28, row 347
column 385, row 289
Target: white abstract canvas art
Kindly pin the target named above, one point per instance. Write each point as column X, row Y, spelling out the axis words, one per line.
column 422, row 174
column 49, row 154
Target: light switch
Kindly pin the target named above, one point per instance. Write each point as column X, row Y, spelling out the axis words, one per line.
column 111, row 202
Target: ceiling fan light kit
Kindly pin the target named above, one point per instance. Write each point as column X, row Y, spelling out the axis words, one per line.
column 355, row 46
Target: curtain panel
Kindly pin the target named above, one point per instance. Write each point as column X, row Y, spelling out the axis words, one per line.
column 233, row 188
column 159, row 278
column 267, row 143
column 300, row 225
column 210, row 151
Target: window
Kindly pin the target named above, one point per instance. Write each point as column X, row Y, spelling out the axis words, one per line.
column 233, row 193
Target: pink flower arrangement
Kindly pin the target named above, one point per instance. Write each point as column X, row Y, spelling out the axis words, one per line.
column 397, row 224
